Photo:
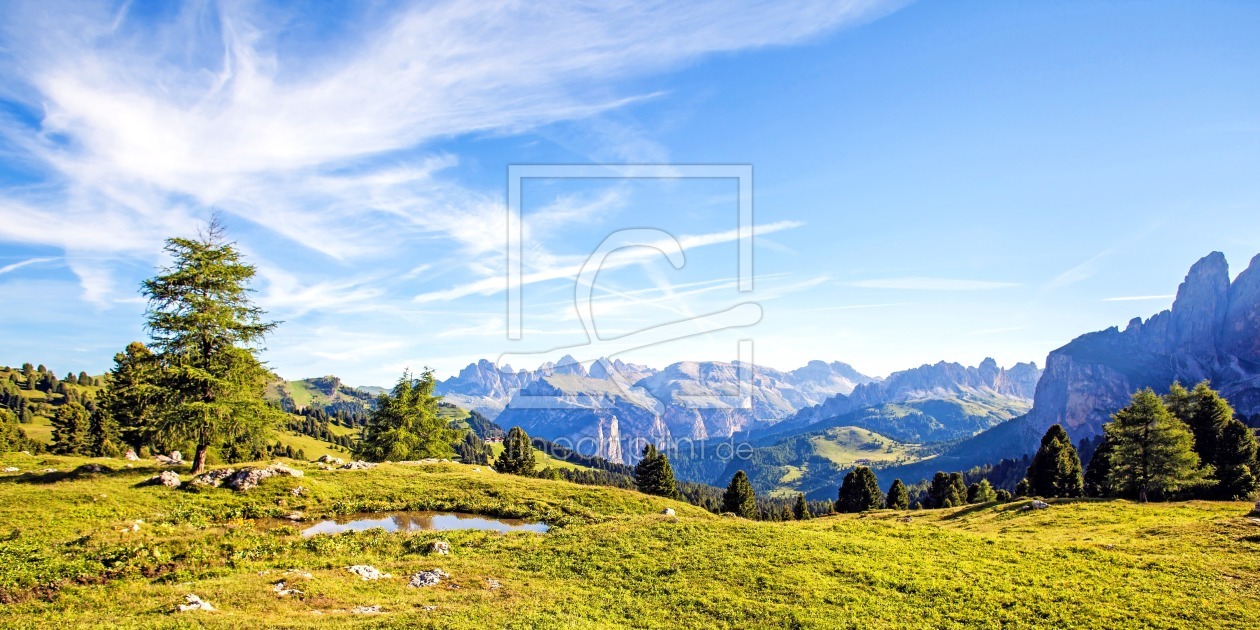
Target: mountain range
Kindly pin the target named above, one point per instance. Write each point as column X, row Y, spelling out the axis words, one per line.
column 1212, row 333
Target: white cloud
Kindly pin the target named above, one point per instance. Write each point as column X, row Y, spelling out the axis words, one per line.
column 18, row 265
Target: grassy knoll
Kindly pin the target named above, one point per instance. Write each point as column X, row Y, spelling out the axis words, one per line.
column 611, row 560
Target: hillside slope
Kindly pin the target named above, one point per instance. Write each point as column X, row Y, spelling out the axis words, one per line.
column 611, row 558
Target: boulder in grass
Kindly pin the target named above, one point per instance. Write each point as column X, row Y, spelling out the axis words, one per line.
column 1037, row 504
column 367, row 572
column 427, row 578
column 245, row 478
column 440, row 547
column 359, row 465
column 668, row 511
column 366, row 610
column 166, row 478
column 195, row 603
column 131, row 456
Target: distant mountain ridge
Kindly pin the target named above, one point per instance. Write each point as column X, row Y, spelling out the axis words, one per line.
column 614, row 401
column 986, row 383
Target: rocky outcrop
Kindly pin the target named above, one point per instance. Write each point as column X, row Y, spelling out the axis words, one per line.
column 245, row 478
column 421, row 579
column 1211, row 333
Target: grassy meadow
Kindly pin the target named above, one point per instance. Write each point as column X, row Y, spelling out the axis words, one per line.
column 69, row 558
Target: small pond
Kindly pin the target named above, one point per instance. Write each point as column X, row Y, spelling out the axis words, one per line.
column 420, row 521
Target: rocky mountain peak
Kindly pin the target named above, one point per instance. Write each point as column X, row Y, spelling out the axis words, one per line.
column 1199, row 310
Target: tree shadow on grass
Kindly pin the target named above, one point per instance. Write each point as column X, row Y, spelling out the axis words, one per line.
column 86, row 471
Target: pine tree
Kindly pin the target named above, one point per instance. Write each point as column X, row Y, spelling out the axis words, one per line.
column 205, row 329
column 957, row 490
column 1021, row 488
column 1236, row 461
column 939, row 492
column 898, row 496
column 473, row 450
column 740, row 499
column 981, row 492
column 800, row 511
column 1208, row 416
column 1097, row 480
column 654, row 475
column 102, row 435
column 1002, row 496
column 859, row 492
column 70, row 430
column 1056, row 468
column 517, row 457
column 405, row 424
column 1153, row 451
column 133, row 396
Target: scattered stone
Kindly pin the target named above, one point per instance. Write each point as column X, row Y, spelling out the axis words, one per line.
column 131, row 456
column 135, row 527
column 668, row 511
column 429, row 608
column 166, row 478
column 367, row 572
column 359, row 465
column 195, row 603
column 298, row 491
column 427, row 578
column 174, row 459
column 27, row 453
column 283, row 589
column 440, row 547
column 302, row 574
column 294, row 516
column 245, row 478
column 493, row 584
column 329, row 459
column 12, row 469
column 88, row 469
column 905, row 519
column 366, row 610
column 1037, row 504
column 50, row 470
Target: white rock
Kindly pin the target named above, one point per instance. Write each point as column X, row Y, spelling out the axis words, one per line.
column 440, row 547
column 668, row 511
column 1037, row 504
column 131, row 456
column 12, row 469
column 366, row 610
column 367, row 572
column 359, row 465
column 282, row 589
column 166, row 478
column 427, row 578
column 195, row 603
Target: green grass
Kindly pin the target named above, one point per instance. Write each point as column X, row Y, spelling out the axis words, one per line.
column 611, row 560
column 311, row 447
column 541, row 459
column 846, row 446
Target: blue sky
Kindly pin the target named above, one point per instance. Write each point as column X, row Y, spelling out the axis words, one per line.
column 932, row 180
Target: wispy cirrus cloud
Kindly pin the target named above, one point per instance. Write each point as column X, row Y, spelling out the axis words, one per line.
column 25, row 263
column 329, row 147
